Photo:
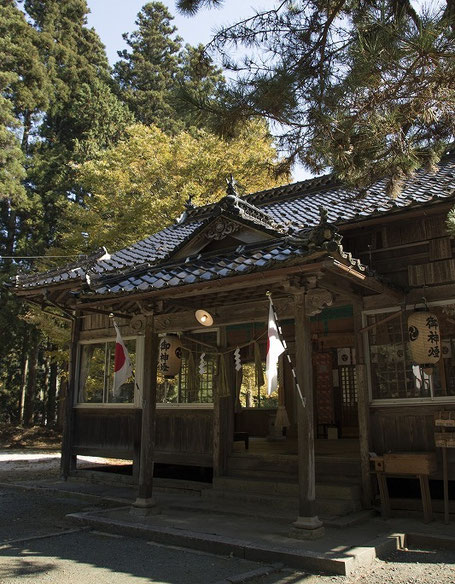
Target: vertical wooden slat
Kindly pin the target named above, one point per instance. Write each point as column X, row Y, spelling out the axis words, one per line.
column 68, row 460
column 144, row 498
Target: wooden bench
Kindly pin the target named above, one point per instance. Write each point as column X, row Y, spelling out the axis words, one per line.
column 405, row 464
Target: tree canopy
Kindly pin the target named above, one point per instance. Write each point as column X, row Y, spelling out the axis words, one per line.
column 365, row 88
column 141, row 184
column 156, row 71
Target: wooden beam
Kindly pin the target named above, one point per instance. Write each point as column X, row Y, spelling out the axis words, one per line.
column 40, row 306
column 308, row 525
column 227, row 314
column 68, row 460
column 107, row 313
column 213, row 286
column 365, row 329
column 365, row 281
column 363, row 403
column 144, row 498
column 220, row 440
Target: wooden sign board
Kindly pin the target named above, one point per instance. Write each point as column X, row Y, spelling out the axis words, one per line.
column 444, row 439
column 418, row 463
column 445, row 422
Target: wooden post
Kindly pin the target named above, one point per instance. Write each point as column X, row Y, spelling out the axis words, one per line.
column 144, row 499
column 308, row 525
column 362, row 407
column 445, row 477
column 223, row 419
column 68, row 460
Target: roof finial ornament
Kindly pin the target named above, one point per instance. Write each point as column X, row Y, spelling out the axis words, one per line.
column 189, row 205
column 323, row 215
column 230, row 190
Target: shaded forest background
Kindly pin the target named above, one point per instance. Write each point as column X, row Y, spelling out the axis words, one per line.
column 95, row 155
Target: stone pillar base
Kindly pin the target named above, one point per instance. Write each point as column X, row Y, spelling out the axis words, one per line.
column 307, row 528
column 144, row 507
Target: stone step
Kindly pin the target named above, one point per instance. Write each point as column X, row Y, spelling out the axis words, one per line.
column 282, row 487
column 267, row 505
column 325, row 466
column 345, row 516
column 278, row 475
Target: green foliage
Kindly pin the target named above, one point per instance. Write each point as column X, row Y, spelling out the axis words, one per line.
column 57, row 109
column 451, row 222
column 158, row 78
column 140, row 185
column 366, row 89
column 12, row 170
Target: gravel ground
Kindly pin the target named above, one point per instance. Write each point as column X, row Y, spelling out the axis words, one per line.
column 402, row 567
column 21, row 517
column 20, row 465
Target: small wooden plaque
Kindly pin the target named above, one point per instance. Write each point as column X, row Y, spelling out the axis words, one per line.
column 444, row 439
column 445, row 419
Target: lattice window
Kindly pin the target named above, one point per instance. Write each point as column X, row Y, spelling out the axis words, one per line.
column 348, row 386
column 392, row 376
column 204, row 391
column 178, row 390
column 96, row 373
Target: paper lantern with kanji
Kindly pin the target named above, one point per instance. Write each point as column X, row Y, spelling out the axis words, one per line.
column 170, row 356
column 424, row 338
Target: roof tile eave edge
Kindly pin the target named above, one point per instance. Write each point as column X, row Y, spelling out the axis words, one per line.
column 273, row 265
column 396, row 210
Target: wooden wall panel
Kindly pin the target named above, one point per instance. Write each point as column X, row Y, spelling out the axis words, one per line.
column 415, row 252
column 108, row 432
column 438, row 272
column 408, row 429
column 440, row 248
column 184, row 436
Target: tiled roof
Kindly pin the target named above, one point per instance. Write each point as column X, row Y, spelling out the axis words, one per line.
column 243, row 260
column 287, row 209
column 299, row 202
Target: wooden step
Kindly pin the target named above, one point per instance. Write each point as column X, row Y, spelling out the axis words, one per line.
column 334, row 490
column 326, row 467
column 281, row 497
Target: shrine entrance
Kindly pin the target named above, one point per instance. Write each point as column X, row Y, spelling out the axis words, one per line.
column 335, row 394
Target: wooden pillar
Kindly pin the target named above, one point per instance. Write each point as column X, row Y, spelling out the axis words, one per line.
column 68, row 460
column 145, row 500
column 223, row 416
column 362, row 406
column 308, row 525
